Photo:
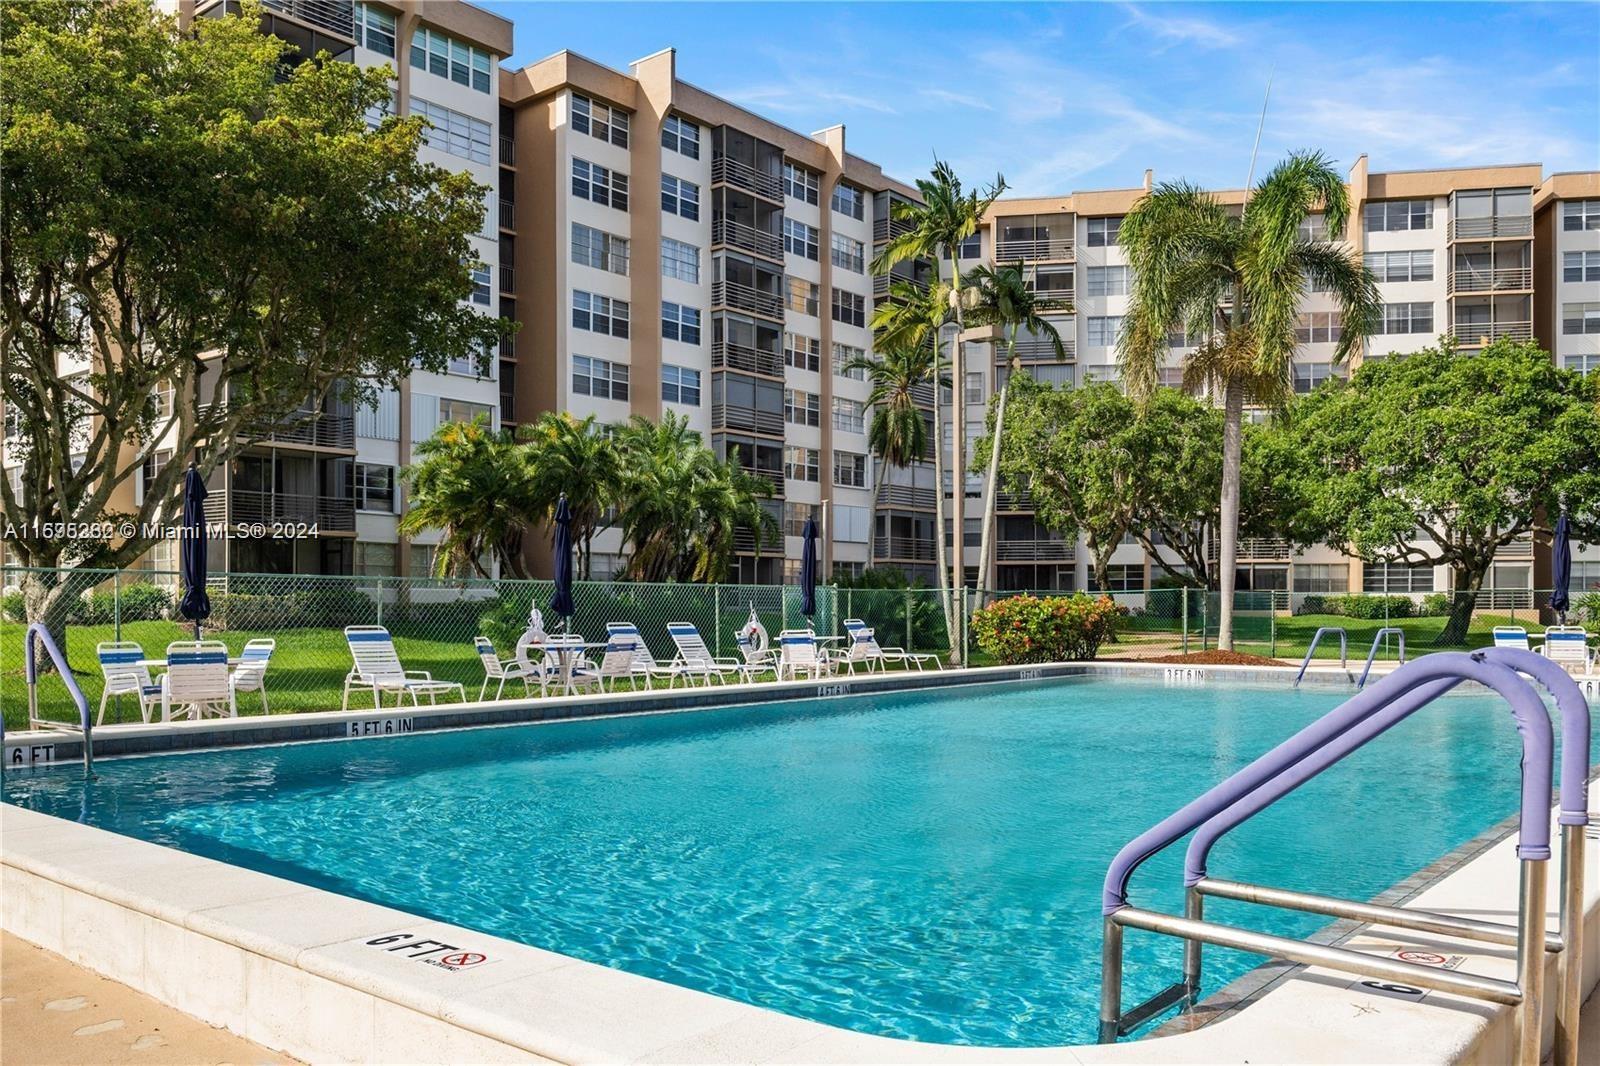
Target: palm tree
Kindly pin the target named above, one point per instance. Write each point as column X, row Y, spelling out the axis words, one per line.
column 1237, row 280
column 580, row 460
column 1004, row 299
column 475, row 485
column 947, row 216
column 897, row 434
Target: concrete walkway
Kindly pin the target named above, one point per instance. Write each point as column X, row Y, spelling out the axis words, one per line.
column 56, row 1013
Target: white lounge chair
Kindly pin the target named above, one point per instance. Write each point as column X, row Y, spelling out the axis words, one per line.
column 1569, row 646
column 377, row 666
column 502, row 670
column 862, row 637
column 251, row 673
column 696, row 659
column 799, row 654
column 122, row 666
column 644, row 663
column 1511, row 637
column 196, row 682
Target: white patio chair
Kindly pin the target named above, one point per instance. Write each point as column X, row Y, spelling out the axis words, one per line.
column 251, row 673
column 122, row 666
column 377, row 667
column 503, row 670
column 196, row 682
column 644, row 663
column 696, row 659
column 874, row 653
column 1568, row 646
column 799, row 654
column 1511, row 637
column 585, row 671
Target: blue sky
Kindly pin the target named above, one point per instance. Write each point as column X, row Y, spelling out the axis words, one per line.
column 1081, row 96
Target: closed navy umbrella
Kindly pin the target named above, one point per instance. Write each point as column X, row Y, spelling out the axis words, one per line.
column 1561, row 564
column 808, row 568
column 195, row 605
column 561, row 599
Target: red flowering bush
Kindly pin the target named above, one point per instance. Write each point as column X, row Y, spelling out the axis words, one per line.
column 1030, row 629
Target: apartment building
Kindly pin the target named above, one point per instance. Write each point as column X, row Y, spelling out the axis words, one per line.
column 673, row 252
column 1478, row 253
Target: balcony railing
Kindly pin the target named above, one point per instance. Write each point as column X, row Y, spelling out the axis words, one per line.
column 1039, row 349
column 1520, row 549
column 727, row 171
column 1027, row 551
column 1470, row 334
column 508, row 151
column 744, row 540
column 316, row 431
column 912, row 549
column 885, row 228
column 1462, row 229
column 1013, row 501
column 335, row 16
column 508, row 280
column 906, row 496
column 1503, row 279
column 1058, row 248
column 726, row 355
column 1269, row 549
column 329, row 513
column 726, row 416
column 744, row 298
column 725, row 231
column 508, row 215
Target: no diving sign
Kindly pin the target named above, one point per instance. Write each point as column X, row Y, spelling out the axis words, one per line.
column 426, row 950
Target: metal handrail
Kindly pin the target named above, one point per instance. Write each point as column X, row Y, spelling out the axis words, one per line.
column 1344, row 650
column 30, row 646
column 1377, row 638
column 1315, row 748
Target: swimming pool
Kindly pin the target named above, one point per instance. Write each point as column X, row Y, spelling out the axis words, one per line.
column 923, row 865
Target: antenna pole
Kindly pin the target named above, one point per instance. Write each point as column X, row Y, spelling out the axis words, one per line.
column 1257, row 146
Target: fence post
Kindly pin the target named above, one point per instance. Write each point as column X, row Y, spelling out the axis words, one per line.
column 908, row 621
column 716, row 616
column 378, row 581
column 1184, row 607
column 1205, row 621
column 1272, row 625
column 116, row 612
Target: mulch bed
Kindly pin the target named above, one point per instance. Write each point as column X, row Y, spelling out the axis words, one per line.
column 1212, row 658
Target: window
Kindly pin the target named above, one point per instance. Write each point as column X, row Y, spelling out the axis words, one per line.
column 972, row 247
column 802, row 352
column 1398, row 215
column 600, row 121
column 1580, row 215
column 1400, row 266
column 849, row 200
column 375, row 29
column 679, row 384
column 447, row 57
column 681, row 136
column 849, row 308
column 849, row 415
column 1108, row 281
column 1103, row 330
column 680, row 260
column 1580, row 266
column 975, row 388
column 799, row 239
column 1397, row 577
column 599, row 249
column 1580, row 318
column 680, row 323
column 1103, row 231
column 1308, row 376
column 1321, row 577
column 1582, row 364
column 1177, row 338
column 800, row 183
column 600, row 185
column 1123, row 577
column 599, row 377
column 804, row 295
column 843, row 356
column 453, row 410
column 849, row 254
column 1314, row 228
column 372, row 486
column 481, row 281
column 452, row 132
column 850, row 469
column 599, row 314
column 1317, row 327
column 1407, row 318
column 802, row 408
column 802, row 464
column 154, row 464
column 681, row 198
column 374, row 560
column 377, row 113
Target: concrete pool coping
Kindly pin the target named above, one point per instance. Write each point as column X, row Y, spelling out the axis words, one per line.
column 293, row 968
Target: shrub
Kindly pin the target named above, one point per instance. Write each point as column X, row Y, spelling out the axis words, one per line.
column 1028, row 629
column 1586, row 608
column 1367, row 608
column 14, row 606
column 1434, row 604
column 139, row 602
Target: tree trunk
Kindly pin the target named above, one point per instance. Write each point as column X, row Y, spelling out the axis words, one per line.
column 986, row 566
column 48, row 597
column 942, row 571
column 1467, row 582
column 958, row 454
column 1228, row 520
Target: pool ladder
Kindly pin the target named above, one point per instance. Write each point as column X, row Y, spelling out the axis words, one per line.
column 1315, row 748
column 1344, row 650
column 37, row 634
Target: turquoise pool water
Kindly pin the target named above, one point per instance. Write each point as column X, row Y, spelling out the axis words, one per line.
column 922, row 865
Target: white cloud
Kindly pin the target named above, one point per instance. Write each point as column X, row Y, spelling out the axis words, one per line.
column 1171, row 29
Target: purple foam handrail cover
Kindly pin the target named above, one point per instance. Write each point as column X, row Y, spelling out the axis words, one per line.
column 1576, row 733
column 1533, row 723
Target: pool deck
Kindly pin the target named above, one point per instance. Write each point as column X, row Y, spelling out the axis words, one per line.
column 325, row 977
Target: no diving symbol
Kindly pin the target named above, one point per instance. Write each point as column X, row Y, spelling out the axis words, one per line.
column 472, row 958
column 1422, row 958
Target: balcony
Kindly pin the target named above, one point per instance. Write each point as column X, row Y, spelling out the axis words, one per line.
column 1013, row 501
column 745, row 298
column 731, row 234
column 508, row 280
column 744, row 540
column 508, row 215
column 1464, row 229
column 1039, row 349
column 726, row 416
column 328, row 513
column 885, row 229
column 906, row 496
column 1054, row 249
column 1031, row 551
column 309, row 430
column 903, row 549
column 508, row 151
column 882, row 282
column 725, row 355
column 335, row 16
column 1506, row 279
column 1519, row 550
column 1471, row 334
column 725, row 171
column 1266, row 549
